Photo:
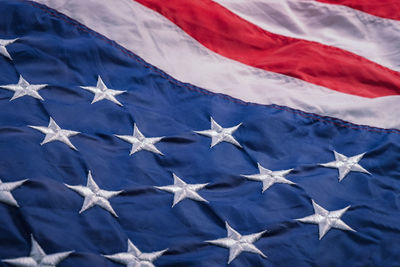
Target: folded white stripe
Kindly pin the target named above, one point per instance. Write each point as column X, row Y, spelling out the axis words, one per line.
column 161, row 43
column 371, row 37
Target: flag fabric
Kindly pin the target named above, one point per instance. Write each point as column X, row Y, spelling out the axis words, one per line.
column 199, row 133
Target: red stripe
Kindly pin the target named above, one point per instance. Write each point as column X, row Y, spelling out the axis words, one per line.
column 389, row 9
column 229, row 35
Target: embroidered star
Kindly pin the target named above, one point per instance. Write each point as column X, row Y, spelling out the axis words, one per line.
column 236, row 243
column 182, row 190
column 346, row 164
column 101, row 92
column 5, row 192
column 93, row 195
column 3, row 49
column 38, row 257
column 268, row 177
column 53, row 132
column 140, row 142
column 23, row 88
column 326, row 219
column 219, row 134
column 135, row 258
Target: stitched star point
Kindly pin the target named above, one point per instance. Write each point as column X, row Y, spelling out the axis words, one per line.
column 237, row 243
column 101, row 91
column 24, row 88
column 38, row 257
column 219, row 134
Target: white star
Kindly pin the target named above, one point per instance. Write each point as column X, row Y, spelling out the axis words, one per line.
column 102, row 92
column 326, row 219
column 53, row 132
column 219, row 134
column 38, row 258
column 182, row 190
column 268, row 177
column 3, row 49
column 140, row 142
column 346, row 164
column 5, row 192
column 236, row 243
column 135, row 258
column 94, row 195
column 23, row 88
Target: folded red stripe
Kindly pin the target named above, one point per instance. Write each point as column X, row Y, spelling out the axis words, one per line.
column 227, row 34
column 389, row 9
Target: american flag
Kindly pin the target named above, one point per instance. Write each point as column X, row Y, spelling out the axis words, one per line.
column 199, row 133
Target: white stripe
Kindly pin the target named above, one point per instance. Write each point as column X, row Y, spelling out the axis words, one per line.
column 374, row 38
column 164, row 45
